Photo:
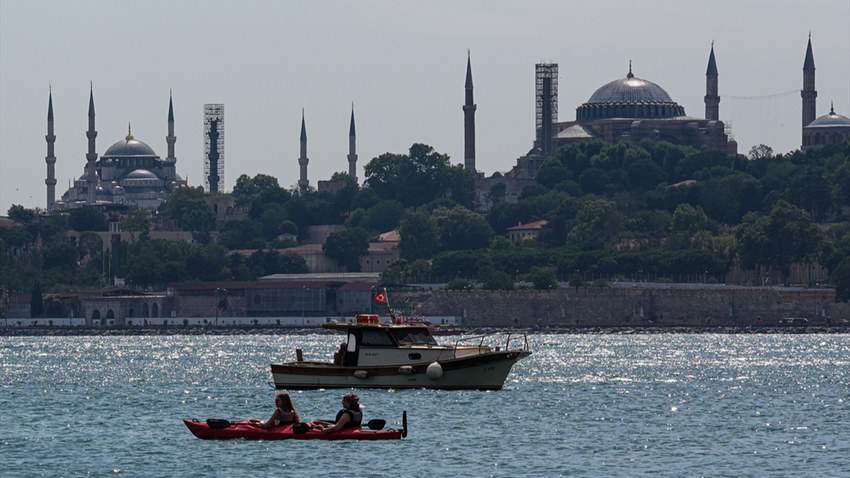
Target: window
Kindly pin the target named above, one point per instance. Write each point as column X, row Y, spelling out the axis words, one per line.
column 414, row 336
column 376, row 337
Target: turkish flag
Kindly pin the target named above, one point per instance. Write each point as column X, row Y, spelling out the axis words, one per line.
column 381, row 297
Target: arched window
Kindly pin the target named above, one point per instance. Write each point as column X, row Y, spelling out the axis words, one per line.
column 110, row 314
column 95, row 315
column 145, row 310
column 155, row 310
column 130, row 313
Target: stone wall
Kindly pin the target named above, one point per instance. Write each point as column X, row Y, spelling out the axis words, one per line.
column 624, row 307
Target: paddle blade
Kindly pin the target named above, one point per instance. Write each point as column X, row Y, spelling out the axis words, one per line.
column 376, row 424
column 217, row 423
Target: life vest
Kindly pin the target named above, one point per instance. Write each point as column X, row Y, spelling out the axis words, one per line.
column 285, row 418
column 354, row 418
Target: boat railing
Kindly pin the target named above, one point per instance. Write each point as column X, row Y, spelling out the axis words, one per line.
column 509, row 338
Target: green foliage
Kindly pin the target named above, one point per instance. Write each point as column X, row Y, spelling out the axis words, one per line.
column 20, row 214
column 542, row 278
column 786, row 236
column 576, row 280
column 88, row 219
column 53, row 305
column 138, row 220
column 261, row 188
column 187, row 206
column 346, row 247
column 495, row 280
column 419, row 235
column 460, row 284
column 419, row 177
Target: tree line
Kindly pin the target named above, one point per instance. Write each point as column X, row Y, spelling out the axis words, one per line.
column 619, row 208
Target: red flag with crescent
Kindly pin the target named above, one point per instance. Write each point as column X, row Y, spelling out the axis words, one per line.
column 381, row 297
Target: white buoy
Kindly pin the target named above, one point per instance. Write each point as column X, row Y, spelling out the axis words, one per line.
column 435, row 371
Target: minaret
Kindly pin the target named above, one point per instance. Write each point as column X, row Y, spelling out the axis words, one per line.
column 712, row 100
column 809, row 94
column 170, row 139
column 213, row 157
column 469, row 120
column 352, row 145
column 302, row 160
column 91, row 156
column 51, row 158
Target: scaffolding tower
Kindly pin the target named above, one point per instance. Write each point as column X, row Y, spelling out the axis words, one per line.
column 546, row 110
column 214, row 148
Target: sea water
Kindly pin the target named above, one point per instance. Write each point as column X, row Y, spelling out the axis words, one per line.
column 581, row 405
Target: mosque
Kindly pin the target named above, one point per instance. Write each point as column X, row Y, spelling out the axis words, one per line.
column 633, row 109
column 128, row 173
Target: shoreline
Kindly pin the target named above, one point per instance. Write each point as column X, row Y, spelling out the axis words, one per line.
column 561, row 330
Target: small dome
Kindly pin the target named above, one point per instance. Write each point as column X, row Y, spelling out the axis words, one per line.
column 141, row 174
column 831, row 119
column 129, row 147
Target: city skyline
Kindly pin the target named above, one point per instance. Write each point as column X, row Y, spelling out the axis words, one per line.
column 266, row 61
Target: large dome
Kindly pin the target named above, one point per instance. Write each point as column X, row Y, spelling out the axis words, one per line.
column 630, row 90
column 129, row 147
column 629, row 97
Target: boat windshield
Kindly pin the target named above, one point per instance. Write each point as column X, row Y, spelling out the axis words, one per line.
column 376, row 337
column 413, row 336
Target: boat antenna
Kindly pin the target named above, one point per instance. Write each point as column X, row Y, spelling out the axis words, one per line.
column 389, row 308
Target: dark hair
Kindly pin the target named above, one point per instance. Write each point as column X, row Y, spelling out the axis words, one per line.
column 352, row 400
column 286, row 404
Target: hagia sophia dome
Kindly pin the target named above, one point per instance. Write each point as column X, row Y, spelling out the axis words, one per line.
column 629, row 97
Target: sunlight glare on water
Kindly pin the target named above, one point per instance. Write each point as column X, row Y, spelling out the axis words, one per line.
column 581, row 405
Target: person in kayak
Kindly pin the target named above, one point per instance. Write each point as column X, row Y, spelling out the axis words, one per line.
column 349, row 417
column 284, row 412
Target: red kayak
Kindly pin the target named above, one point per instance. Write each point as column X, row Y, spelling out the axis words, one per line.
column 221, row 429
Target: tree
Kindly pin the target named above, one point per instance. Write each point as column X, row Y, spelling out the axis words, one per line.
column 187, row 206
column 495, row 280
column 460, row 284
column 576, row 280
column 542, row 278
column 598, row 223
column 497, row 192
column 459, row 228
column 262, row 188
column 88, row 219
column 786, row 236
column 419, row 236
column 292, row 263
column 36, row 300
column 841, row 278
column 760, row 152
column 53, row 305
column 346, row 247
column 20, row 214
column 138, row 220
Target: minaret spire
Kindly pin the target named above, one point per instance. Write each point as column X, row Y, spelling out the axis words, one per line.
column 91, row 156
column 302, row 160
column 50, row 159
column 469, row 108
column 170, row 139
column 352, row 146
column 712, row 99
column 809, row 94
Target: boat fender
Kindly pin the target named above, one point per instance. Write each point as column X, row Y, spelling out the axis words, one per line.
column 405, row 370
column 361, row 374
column 434, row 371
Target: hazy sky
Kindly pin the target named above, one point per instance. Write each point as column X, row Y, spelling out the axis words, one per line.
column 402, row 63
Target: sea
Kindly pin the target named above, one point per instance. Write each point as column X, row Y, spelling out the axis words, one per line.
column 667, row 405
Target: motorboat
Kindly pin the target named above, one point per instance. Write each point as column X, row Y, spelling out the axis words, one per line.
column 398, row 355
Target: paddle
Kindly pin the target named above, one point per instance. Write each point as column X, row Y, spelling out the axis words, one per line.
column 375, row 424
column 220, row 424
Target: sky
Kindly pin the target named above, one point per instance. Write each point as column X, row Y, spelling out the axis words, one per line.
column 401, row 63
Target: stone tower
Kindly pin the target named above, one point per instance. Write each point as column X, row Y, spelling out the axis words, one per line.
column 91, row 156
column 712, row 99
column 809, row 93
column 469, row 108
column 302, row 160
column 50, row 159
column 352, row 146
column 170, row 139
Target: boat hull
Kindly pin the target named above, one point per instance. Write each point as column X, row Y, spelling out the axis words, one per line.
column 487, row 371
column 251, row 432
